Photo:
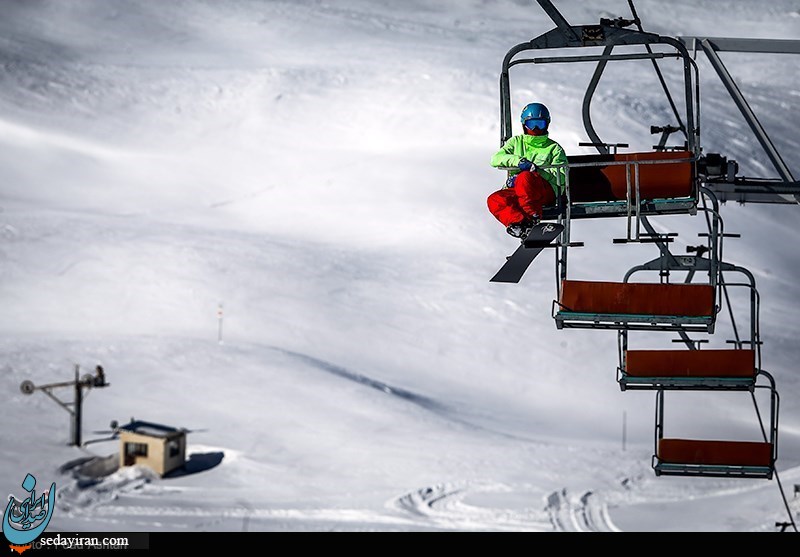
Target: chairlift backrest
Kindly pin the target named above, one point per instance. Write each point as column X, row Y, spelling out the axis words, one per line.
column 658, row 175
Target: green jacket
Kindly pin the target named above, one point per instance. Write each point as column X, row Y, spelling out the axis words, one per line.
column 540, row 150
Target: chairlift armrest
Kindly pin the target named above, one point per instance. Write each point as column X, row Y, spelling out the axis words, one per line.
column 601, row 144
column 643, row 240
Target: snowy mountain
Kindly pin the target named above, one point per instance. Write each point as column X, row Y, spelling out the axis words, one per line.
column 316, row 175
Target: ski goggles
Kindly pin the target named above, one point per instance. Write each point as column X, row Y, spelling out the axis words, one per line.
column 534, row 123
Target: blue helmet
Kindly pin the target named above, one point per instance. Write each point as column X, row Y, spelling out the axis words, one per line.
column 535, row 111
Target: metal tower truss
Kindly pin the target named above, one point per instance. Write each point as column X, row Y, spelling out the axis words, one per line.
column 721, row 173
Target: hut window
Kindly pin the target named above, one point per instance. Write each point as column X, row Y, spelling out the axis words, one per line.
column 136, row 449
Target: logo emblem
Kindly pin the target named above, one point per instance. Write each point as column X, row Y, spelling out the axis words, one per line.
column 26, row 520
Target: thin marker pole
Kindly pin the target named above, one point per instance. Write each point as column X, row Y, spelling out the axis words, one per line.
column 624, row 428
column 219, row 317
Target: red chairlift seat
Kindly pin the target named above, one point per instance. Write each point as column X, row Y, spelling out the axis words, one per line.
column 714, row 458
column 700, row 457
column 654, row 369
column 635, row 306
column 601, row 185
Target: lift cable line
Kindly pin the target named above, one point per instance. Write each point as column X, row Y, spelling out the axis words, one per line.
column 661, row 79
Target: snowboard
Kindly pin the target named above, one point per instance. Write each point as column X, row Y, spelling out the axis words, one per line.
column 539, row 237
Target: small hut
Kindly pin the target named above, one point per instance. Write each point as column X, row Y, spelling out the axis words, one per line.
column 161, row 448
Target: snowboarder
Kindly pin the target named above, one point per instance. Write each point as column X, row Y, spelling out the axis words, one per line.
column 518, row 205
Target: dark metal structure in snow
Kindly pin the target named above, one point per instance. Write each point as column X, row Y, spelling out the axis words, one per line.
column 75, row 407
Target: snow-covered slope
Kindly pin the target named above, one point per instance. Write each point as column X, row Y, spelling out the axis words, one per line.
column 320, row 171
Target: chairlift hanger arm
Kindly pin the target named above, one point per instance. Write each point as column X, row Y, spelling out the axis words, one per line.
column 593, row 35
column 730, row 44
column 746, row 111
column 595, row 58
column 711, row 46
column 582, row 36
column 558, row 19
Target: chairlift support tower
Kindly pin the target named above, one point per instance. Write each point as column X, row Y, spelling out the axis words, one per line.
column 74, row 408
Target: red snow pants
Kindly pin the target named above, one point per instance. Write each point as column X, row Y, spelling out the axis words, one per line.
column 523, row 200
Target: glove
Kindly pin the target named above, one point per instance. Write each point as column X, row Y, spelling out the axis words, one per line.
column 525, row 164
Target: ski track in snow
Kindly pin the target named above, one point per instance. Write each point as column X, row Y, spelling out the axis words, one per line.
column 437, row 507
column 582, row 514
column 444, row 505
